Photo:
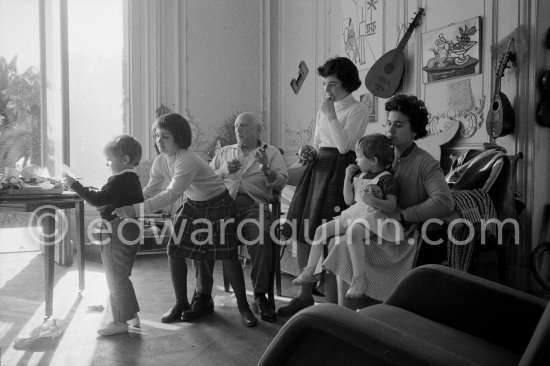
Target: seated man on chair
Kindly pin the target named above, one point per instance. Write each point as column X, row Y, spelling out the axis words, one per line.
column 251, row 169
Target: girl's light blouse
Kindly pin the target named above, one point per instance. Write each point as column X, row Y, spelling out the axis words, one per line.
column 186, row 175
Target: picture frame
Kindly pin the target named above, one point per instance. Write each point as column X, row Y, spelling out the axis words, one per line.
column 371, row 102
column 362, row 31
column 452, row 51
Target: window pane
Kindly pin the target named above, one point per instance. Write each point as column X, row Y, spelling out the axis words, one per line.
column 95, row 83
column 19, row 83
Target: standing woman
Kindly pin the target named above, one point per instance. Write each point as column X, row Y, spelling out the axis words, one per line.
column 340, row 123
column 204, row 228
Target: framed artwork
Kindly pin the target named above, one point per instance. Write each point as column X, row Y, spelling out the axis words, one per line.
column 452, row 51
column 371, row 101
column 362, row 27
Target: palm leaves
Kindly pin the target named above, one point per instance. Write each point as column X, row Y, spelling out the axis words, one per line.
column 19, row 114
column 225, row 134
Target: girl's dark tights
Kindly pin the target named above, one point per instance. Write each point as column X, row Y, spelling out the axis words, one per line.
column 233, row 270
column 234, row 273
column 178, row 272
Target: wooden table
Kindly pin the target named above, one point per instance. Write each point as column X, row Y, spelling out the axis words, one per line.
column 44, row 208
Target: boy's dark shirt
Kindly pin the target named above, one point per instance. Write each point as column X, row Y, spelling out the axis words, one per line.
column 122, row 189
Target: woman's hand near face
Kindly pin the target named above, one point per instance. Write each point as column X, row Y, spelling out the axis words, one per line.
column 125, row 212
column 327, row 108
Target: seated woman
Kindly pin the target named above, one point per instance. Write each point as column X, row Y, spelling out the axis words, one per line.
column 422, row 194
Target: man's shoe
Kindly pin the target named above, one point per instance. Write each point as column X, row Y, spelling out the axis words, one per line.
column 264, row 308
column 174, row 313
column 294, row 306
column 248, row 318
column 201, row 305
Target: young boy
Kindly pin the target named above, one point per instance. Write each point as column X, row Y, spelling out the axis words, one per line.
column 119, row 249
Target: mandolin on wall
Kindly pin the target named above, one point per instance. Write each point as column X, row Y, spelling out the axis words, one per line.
column 501, row 117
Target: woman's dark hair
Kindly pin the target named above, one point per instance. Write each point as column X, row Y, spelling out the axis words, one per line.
column 344, row 70
column 377, row 146
column 178, row 127
column 413, row 108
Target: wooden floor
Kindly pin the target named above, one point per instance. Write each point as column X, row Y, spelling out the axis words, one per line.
column 217, row 339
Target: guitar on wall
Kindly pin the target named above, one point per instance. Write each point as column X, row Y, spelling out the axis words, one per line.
column 501, row 118
column 384, row 77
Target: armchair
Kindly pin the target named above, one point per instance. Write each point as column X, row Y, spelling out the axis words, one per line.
column 436, row 316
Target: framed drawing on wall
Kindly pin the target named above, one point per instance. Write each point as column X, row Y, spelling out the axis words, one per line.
column 371, row 101
column 452, row 51
column 362, row 28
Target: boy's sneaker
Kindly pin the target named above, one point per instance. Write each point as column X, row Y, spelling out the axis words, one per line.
column 306, row 276
column 357, row 288
column 134, row 322
column 113, row 328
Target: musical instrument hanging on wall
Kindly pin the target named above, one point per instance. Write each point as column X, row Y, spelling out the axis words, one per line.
column 543, row 109
column 385, row 76
column 501, row 117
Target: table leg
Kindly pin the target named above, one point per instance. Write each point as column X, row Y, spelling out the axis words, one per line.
column 48, row 228
column 80, row 259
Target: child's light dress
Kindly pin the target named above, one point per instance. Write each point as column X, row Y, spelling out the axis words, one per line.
column 378, row 222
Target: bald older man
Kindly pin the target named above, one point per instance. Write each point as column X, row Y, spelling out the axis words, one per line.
column 251, row 169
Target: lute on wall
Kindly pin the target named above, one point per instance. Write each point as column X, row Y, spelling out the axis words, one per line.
column 384, row 77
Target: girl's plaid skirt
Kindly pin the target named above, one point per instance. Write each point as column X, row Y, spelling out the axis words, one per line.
column 205, row 229
column 319, row 194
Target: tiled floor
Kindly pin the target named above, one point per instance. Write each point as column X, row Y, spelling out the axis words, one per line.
column 219, row 339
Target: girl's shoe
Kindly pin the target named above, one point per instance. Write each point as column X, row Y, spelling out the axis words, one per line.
column 113, row 328
column 134, row 322
column 357, row 288
column 305, row 277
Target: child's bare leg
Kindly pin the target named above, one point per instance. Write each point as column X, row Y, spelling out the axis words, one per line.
column 357, row 256
column 357, row 248
column 323, row 233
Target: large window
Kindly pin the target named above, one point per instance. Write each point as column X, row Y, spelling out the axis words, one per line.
column 61, row 83
column 96, row 45
column 20, row 131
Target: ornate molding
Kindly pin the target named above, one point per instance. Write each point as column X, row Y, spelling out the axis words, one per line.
column 470, row 121
column 296, row 138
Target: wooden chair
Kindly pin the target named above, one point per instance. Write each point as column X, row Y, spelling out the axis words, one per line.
column 275, row 275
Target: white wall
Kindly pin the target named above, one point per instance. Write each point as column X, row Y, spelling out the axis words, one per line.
column 205, row 59
column 224, row 66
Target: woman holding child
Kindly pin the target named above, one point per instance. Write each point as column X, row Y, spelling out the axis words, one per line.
column 422, row 194
column 204, row 224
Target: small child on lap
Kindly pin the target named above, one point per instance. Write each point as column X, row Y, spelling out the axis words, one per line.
column 119, row 246
column 372, row 195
